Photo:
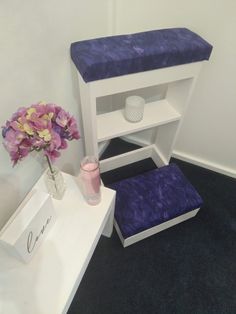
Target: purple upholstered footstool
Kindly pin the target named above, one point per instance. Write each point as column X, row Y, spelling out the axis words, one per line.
column 102, row 58
column 153, row 201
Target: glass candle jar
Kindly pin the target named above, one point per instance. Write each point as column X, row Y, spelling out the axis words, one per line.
column 90, row 180
column 134, row 108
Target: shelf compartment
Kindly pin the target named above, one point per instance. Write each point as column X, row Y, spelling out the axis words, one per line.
column 130, row 157
column 113, row 124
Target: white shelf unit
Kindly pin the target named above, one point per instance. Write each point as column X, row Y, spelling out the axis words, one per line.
column 163, row 116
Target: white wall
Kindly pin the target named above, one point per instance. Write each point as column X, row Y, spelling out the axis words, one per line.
column 35, row 65
column 208, row 133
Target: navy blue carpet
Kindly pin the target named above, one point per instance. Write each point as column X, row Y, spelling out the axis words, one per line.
column 189, row 268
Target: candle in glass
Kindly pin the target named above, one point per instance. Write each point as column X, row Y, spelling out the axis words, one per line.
column 90, row 179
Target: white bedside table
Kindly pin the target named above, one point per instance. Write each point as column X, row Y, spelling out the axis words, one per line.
column 48, row 283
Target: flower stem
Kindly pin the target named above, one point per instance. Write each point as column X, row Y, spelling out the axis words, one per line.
column 50, row 166
column 51, row 170
column 53, row 176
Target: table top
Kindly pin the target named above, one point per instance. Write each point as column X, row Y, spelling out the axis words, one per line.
column 49, row 281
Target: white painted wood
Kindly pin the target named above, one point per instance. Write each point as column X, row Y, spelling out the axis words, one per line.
column 48, row 283
column 125, row 159
column 29, row 225
column 149, row 232
column 88, row 110
column 108, row 228
column 105, row 126
column 113, row 124
column 178, row 94
column 121, row 160
column 162, row 116
column 129, row 82
column 164, row 140
column 158, row 158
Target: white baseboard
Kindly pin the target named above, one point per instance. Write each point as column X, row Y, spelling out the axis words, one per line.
column 204, row 163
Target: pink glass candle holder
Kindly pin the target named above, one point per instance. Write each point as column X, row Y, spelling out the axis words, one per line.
column 90, row 180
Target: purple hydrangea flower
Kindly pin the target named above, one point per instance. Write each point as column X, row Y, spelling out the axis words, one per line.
column 40, row 127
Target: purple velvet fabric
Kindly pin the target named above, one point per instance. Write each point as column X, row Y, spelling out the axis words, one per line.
column 152, row 198
column 107, row 57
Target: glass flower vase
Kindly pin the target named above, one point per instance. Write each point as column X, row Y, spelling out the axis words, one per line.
column 55, row 183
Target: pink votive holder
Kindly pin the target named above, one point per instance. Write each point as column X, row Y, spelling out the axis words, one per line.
column 90, row 180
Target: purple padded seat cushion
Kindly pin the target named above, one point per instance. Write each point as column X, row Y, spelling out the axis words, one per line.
column 107, row 57
column 152, row 198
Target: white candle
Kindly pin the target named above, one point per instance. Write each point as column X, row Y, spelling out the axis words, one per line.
column 134, row 108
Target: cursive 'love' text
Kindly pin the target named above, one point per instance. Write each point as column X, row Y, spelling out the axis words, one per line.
column 32, row 240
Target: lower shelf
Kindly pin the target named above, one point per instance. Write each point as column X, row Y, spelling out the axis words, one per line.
column 155, row 113
column 153, row 201
column 132, row 156
column 116, row 147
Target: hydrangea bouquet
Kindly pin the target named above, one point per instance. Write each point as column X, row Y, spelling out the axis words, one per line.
column 40, row 127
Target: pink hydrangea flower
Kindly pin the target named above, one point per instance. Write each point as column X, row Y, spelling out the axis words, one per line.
column 40, row 127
